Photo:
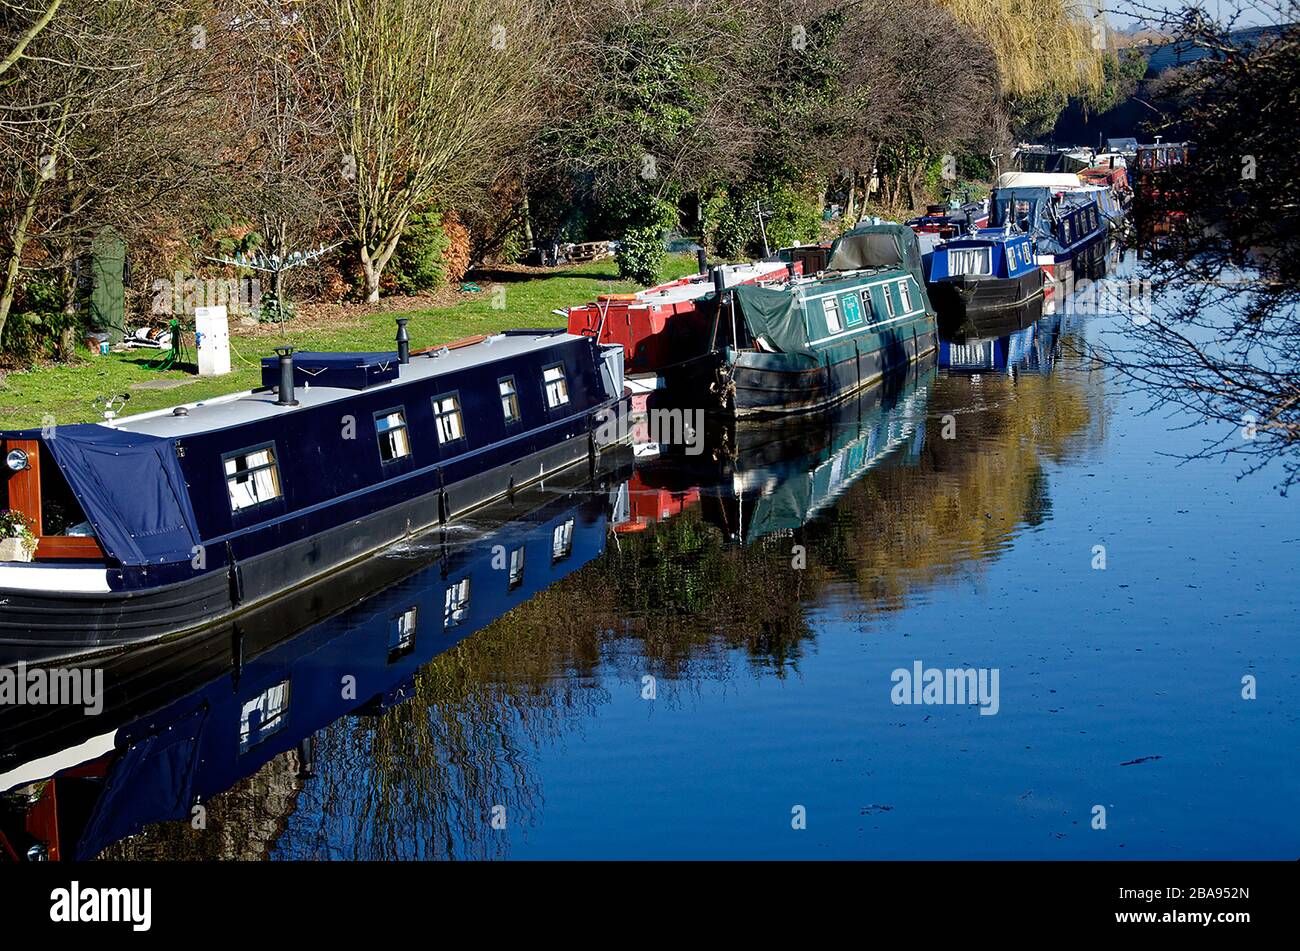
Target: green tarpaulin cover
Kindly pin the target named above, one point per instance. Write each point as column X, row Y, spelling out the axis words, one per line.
column 883, row 246
column 776, row 315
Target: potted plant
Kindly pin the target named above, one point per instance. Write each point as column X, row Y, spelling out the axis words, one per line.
column 17, row 541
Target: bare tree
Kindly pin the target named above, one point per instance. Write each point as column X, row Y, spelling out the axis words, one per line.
column 107, row 124
column 40, row 20
column 433, row 96
column 283, row 124
column 1223, row 336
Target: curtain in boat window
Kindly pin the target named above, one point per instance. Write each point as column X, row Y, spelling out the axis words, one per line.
column 969, row 261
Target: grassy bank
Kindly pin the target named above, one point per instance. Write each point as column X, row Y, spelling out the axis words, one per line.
column 65, row 391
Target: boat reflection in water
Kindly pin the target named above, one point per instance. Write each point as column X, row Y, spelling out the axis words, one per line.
column 1033, row 349
column 770, row 478
column 184, row 723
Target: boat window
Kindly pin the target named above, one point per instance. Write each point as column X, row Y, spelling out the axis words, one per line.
column 889, row 299
column 1022, row 214
column 905, row 294
column 1065, row 229
column 252, row 477
column 401, row 634
column 264, row 715
column 394, row 439
column 447, row 417
column 969, row 261
column 852, row 310
column 557, row 387
column 831, row 308
column 456, row 603
column 516, row 567
column 562, row 541
column 509, row 398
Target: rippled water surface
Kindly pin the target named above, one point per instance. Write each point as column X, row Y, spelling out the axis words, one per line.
column 701, row 652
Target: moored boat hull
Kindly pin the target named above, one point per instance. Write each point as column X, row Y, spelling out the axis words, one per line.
column 46, row 626
column 753, row 385
column 969, row 304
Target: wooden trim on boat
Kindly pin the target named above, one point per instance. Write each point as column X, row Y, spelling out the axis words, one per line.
column 69, row 546
column 25, row 497
column 25, row 486
column 454, row 345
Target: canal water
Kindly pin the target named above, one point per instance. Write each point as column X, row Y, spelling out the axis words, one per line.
column 704, row 656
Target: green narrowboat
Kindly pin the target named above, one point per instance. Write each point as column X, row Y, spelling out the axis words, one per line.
column 797, row 345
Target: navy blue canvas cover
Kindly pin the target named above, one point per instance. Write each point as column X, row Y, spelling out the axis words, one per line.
column 131, row 488
column 353, row 371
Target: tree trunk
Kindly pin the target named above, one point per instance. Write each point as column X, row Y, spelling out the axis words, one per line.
column 528, row 218
column 373, row 274
column 19, row 241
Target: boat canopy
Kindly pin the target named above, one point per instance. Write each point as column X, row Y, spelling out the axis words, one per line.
column 876, row 246
column 1029, row 209
column 1056, row 181
column 131, row 489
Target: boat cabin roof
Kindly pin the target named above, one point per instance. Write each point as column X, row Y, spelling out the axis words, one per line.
column 237, row 409
column 982, row 236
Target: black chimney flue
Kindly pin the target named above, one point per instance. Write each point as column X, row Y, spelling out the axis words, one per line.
column 403, row 341
column 286, row 377
column 719, row 282
column 702, row 257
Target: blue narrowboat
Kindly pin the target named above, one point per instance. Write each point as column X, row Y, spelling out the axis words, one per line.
column 157, row 524
column 1068, row 228
column 798, row 344
column 981, row 280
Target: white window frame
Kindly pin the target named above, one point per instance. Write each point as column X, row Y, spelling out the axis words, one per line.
column 450, row 423
column 253, row 485
column 969, row 261
column 905, row 296
column 557, row 388
column 831, row 313
column 455, row 603
column 404, row 626
column 398, row 436
column 272, row 706
column 510, row 408
column 516, row 567
column 562, row 541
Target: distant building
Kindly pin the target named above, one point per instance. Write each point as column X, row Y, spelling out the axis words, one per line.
column 1128, row 119
column 1166, row 56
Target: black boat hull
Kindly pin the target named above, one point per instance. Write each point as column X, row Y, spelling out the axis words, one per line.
column 750, row 388
column 977, row 306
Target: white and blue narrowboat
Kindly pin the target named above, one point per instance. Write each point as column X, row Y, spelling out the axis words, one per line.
column 155, row 525
column 981, row 280
column 799, row 344
column 1067, row 228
